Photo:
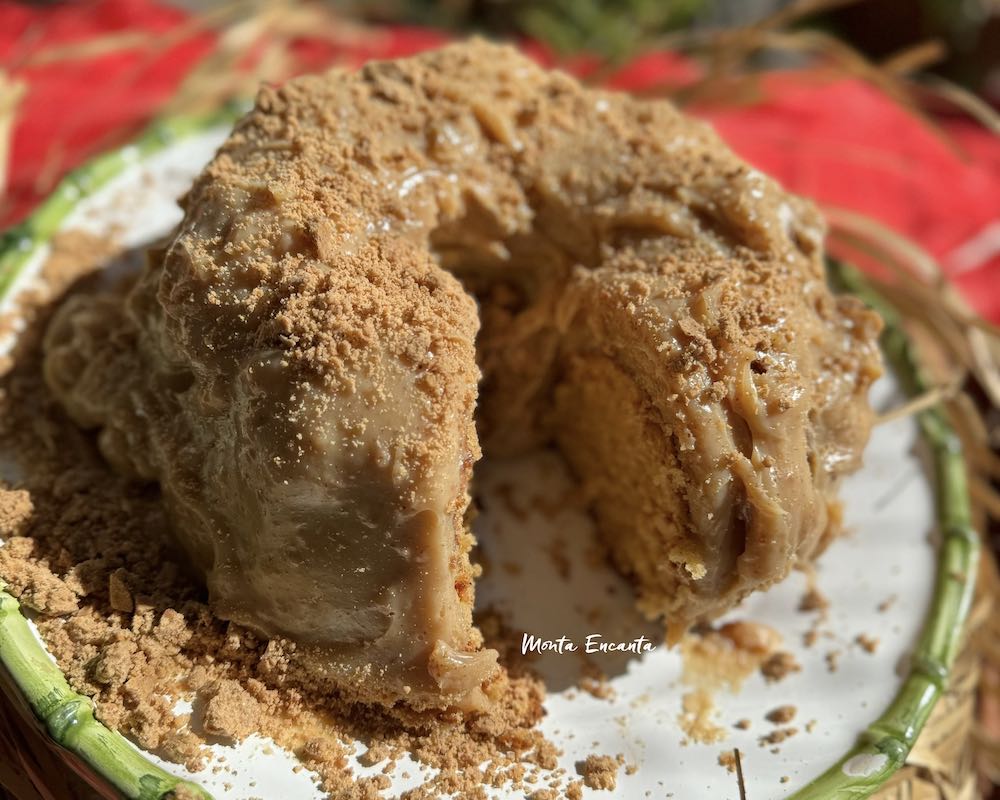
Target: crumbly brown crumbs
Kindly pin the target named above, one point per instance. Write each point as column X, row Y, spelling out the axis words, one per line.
column 231, row 712
column 33, row 582
column 119, row 595
column 600, row 772
column 886, row 604
column 546, row 755
column 777, row 736
column 867, row 643
column 742, row 724
column 752, row 637
column 726, row 657
column 696, row 718
column 781, row 714
column 832, row 659
column 779, row 666
column 15, row 511
column 813, row 600
column 594, row 681
column 727, row 759
column 376, row 753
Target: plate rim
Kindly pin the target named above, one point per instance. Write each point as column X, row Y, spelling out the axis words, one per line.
column 880, row 750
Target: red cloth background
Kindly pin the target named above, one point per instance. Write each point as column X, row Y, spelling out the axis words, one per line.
column 840, row 142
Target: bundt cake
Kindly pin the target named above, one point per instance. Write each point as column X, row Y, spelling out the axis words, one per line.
column 298, row 366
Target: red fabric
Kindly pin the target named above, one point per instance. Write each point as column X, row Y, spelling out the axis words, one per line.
column 74, row 108
column 846, row 145
column 840, row 142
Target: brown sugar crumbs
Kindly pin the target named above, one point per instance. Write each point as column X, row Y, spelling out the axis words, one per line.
column 727, row 759
column 594, row 682
column 886, row 604
column 600, row 772
column 726, row 657
column 696, row 718
column 777, row 736
column 813, row 600
column 781, row 714
column 779, row 666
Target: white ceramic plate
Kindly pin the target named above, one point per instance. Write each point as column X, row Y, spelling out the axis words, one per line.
column 886, row 560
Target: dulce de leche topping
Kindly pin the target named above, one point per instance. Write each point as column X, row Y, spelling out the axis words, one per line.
column 298, row 367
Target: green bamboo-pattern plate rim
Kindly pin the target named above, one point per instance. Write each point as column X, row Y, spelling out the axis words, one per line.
column 19, row 243
column 894, row 733
column 69, row 717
